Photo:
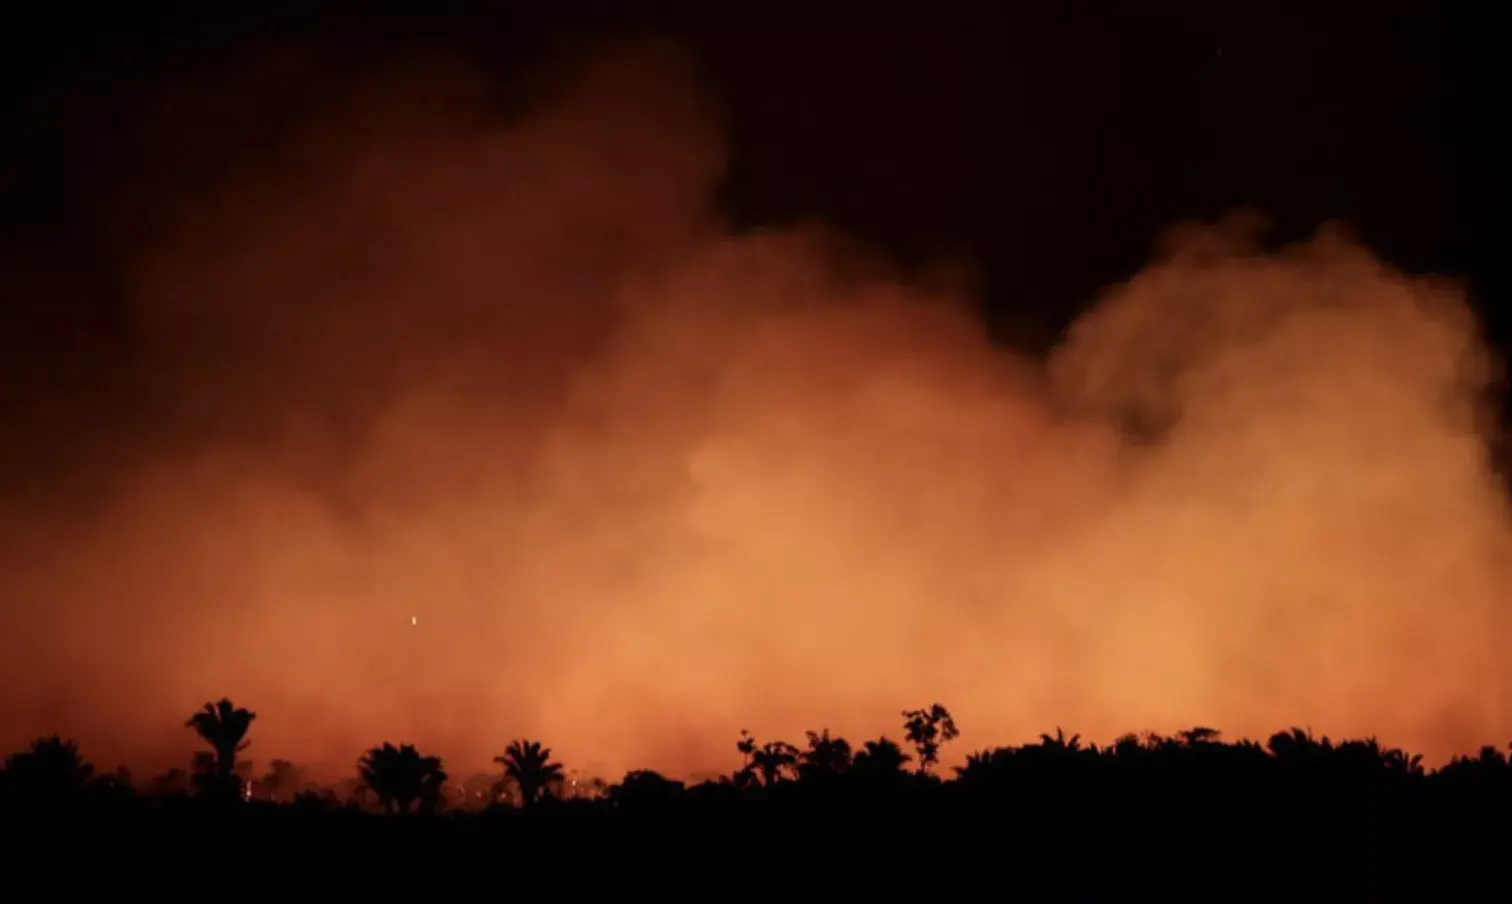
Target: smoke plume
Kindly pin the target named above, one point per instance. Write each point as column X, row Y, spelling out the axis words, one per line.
column 454, row 415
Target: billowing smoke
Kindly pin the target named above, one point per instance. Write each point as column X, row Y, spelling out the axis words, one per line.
column 459, row 416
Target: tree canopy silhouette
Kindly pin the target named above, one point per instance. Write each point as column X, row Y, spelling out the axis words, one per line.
column 401, row 777
column 770, row 762
column 643, row 788
column 50, row 771
column 1322, row 808
column 224, row 727
column 927, row 729
column 824, row 756
column 881, row 758
column 529, row 766
column 282, row 781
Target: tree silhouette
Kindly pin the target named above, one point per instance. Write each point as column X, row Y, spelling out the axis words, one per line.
column 1298, row 747
column 353, row 790
column 1128, row 747
column 1400, row 762
column 400, row 776
column 644, row 788
column 433, row 789
column 204, row 774
column 224, row 727
column 282, row 780
column 985, row 766
column 745, row 776
column 927, row 729
column 121, row 776
column 1320, row 808
column 1200, row 734
column 205, row 777
column 529, row 766
column 115, row 786
column 174, row 781
column 51, row 770
column 1060, row 743
column 824, row 756
column 880, row 758
column 774, row 761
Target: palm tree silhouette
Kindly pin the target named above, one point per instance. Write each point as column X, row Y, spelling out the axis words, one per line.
column 1400, row 762
column 224, row 727
column 985, row 766
column 530, row 767
column 1060, row 744
column 824, row 756
column 400, row 776
column 774, row 760
column 881, row 757
column 1298, row 745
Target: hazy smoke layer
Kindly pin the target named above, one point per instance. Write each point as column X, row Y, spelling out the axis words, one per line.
column 642, row 483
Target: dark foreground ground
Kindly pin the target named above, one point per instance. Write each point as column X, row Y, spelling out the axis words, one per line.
column 1187, row 822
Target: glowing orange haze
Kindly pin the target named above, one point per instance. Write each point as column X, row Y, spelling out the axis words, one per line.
column 645, row 483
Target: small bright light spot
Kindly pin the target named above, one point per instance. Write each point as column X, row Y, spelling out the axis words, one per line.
column 414, row 621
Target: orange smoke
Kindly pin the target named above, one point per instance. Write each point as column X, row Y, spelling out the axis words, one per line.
column 463, row 425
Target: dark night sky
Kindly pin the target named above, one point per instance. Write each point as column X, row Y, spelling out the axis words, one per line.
column 921, row 124
column 1051, row 144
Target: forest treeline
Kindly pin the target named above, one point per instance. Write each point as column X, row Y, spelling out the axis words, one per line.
column 1148, row 817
